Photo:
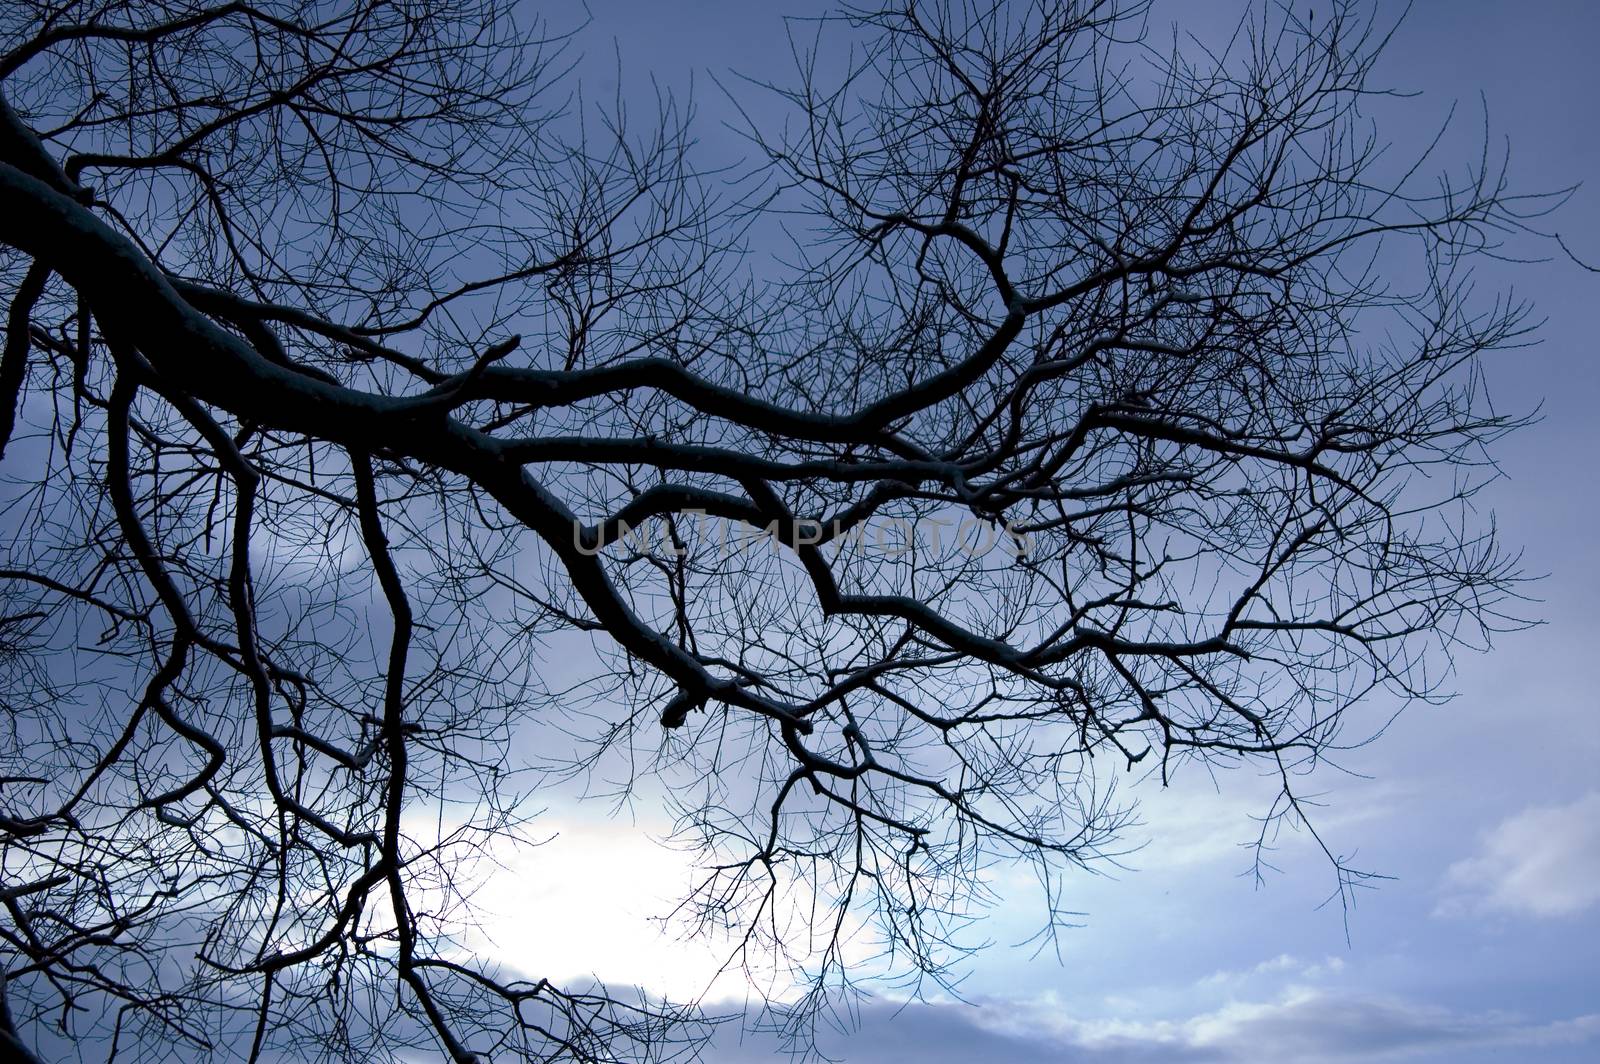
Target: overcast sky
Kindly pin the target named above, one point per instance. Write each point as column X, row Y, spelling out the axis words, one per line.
column 1486, row 812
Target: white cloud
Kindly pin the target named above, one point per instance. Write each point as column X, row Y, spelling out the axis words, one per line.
column 596, row 898
column 590, row 903
column 1303, row 1024
column 1544, row 861
column 1276, row 966
column 1190, row 824
column 1307, row 1026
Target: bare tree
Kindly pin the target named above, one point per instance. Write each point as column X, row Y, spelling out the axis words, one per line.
column 1077, row 435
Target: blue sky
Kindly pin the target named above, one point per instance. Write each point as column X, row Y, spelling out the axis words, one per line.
column 1486, row 811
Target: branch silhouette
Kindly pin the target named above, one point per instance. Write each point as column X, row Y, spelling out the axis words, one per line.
column 352, row 373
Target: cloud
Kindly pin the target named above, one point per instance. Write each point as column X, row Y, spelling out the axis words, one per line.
column 589, row 903
column 1309, row 1026
column 1190, row 823
column 599, row 898
column 1544, row 861
column 1283, row 962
